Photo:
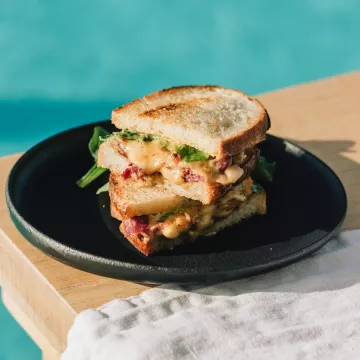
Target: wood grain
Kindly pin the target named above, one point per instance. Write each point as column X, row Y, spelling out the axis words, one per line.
column 323, row 117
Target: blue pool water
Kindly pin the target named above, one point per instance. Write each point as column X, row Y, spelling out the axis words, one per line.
column 70, row 62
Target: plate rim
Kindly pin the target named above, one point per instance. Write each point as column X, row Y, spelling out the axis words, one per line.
column 44, row 242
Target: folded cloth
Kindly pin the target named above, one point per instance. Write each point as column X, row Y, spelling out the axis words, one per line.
column 309, row 310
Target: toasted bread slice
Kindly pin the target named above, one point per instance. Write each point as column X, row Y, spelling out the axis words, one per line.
column 254, row 204
column 213, row 119
column 148, row 195
column 151, row 195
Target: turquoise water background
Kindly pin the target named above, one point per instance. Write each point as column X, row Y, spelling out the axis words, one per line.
column 67, row 63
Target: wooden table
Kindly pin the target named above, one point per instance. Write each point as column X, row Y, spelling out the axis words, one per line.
column 45, row 295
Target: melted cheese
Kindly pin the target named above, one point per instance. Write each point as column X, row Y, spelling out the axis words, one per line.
column 148, row 156
column 232, row 174
column 198, row 217
column 175, row 226
column 174, row 175
column 151, row 157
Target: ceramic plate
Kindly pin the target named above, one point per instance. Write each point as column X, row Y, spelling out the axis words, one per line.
column 306, row 207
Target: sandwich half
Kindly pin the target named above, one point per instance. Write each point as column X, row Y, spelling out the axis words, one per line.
column 153, row 218
column 184, row 162
column 201, row 139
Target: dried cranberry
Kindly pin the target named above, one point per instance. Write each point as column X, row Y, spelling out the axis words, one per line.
column 190, row 176
column 132, row 171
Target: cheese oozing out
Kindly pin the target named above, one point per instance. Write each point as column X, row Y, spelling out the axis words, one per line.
column 198, row 217
column 159, row 155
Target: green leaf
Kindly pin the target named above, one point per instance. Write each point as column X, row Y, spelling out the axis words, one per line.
column 104, row 188
column 103, row 138
column 256, row 188
column 165, row 216
column 264, row 170
column 128, row 135
column 147, row 137
column 90, row 176
column 136, row 136
column 99, row 135
column 189, row 153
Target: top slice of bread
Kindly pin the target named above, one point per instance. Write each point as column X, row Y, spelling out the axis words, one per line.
column 213, row 119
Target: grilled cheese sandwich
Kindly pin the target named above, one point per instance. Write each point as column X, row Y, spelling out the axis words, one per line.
column 181, row 163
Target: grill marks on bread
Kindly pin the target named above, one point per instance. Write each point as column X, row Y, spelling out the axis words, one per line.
column 215, row 120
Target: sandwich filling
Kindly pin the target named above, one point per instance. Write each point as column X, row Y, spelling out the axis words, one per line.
column 148, row 154
column 192, row 219
column 163, row 190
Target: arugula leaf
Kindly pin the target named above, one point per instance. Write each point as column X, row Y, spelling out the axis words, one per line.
column 104, row 188
column 147, row 137
column 99, row 135
column 128, row 135
column 103, row 138
column 256, row 188
column 136, row 136
column 90, row 176
column 165, row 216
column 189, row 153
column 264, row 170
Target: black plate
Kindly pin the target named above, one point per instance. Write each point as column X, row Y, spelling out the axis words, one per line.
column 306, row 207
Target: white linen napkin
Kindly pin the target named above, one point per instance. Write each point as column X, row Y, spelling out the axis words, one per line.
column 309, row 310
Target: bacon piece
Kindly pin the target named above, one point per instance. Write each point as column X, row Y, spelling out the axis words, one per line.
column 190, row 176
column 136, row 225
column 132, row 171
column 222, row 164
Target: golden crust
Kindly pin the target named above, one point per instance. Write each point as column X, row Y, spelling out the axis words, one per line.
column 248, row 138
column 115, row 213
column 120, row 208
column 247, row 183
column 175, row 90
column 231, row 146
column 162, row 110
column 262, row 209
column 214, row 191
column 135, row 240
